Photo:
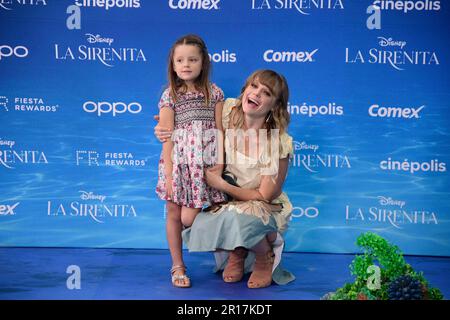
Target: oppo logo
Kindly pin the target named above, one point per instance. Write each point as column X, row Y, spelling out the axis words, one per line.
column 7, row 51
column 194, row 4
column 114, row 107
column 310, row 212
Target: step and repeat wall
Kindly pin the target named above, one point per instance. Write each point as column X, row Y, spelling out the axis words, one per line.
column 369, row 82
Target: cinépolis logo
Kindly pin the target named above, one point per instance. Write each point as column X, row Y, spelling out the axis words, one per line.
column 390, row 211
column 108, row 4
column 92, row 206
column 392, row 52
column 413, row 166
column 301, row 6
column 224, row 56
column 313, row 110
column 406, row 6
column 108, row 159
column 99, row 48
column 10, row 157
column 307, row 156
column 10, row 4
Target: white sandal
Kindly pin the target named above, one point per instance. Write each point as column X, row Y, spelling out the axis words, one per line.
column 180, row 281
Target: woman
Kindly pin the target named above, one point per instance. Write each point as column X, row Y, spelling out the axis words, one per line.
column 246, row 233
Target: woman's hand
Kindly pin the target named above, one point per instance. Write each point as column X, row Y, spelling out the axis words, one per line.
column 161, row 133
column 214, row 178
column 217, row 169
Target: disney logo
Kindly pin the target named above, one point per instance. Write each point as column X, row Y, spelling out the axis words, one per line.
column 391, row 43
column 98, row 39
column 91, row 196
column 304, row 146
column 389, row 201
column 7, row 143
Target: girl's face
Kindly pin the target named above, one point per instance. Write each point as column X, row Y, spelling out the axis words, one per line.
column 187, row 62
column 257, row 99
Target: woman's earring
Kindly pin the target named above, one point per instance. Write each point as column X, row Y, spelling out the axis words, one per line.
column 268, row 118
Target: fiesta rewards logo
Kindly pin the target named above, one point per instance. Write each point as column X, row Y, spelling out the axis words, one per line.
column 93, row 206
column 28, row 104
column 108, row 159
column 100, row 49
column 393, row 53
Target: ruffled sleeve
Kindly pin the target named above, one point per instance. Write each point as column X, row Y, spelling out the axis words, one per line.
column 217, row 93
column 286, row 147
column 166, row 100
column 226, row 112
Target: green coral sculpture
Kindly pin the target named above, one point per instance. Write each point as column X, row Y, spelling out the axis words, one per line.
column 382, row 274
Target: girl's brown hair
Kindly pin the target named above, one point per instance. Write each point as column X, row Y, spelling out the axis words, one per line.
column 202, row 81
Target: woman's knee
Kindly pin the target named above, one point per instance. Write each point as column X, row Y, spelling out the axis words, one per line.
column 271, row 237
column 188, row 216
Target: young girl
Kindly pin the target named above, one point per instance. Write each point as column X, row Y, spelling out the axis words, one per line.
column 191, row 106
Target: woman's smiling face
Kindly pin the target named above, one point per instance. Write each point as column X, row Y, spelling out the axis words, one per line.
column 257, row 100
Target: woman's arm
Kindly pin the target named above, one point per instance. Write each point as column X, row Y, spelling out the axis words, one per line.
column 268, row 190
column 220, row 147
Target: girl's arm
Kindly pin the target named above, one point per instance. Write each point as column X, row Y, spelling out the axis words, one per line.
column 268, row 190
column 167, row 120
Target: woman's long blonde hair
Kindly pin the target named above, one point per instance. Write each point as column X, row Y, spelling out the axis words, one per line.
column 279, row 117
column 202, row 81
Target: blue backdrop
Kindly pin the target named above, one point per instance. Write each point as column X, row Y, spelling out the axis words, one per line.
column 80, row 82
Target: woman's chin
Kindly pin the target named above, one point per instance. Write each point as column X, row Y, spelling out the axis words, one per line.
column 250, row 110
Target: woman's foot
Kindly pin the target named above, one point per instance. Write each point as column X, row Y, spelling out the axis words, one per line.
column 234, row 271
column 261, row 276
column 179, row 277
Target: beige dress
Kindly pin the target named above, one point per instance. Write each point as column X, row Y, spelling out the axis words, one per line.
column 245, row 223
column 247, row 173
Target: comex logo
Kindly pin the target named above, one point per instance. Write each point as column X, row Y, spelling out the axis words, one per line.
column 114, row 108
column 8, row 51
column 6, row 209
column 394, row 112
column 194, row 4
column 289, row 56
